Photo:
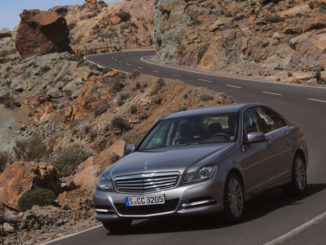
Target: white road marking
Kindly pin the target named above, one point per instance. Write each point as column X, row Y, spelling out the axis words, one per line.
column 291, row 234
column 156, row 71
column 204, row 80
column 271, row 93
column 317, row 100
column 139, row 67
column 71, row 235
column 128, row 64
column 176, row 75
column 232, row 86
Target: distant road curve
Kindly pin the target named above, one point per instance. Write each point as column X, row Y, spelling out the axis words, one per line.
column 270, row 215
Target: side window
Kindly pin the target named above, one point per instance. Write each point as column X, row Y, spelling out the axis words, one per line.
column 269, row 120
column 250, row 122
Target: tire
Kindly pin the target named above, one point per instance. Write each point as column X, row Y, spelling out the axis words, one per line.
column 118, row 226
column 234, row 203
column 298, row 184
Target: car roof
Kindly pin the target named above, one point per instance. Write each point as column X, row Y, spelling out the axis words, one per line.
column 236, row 108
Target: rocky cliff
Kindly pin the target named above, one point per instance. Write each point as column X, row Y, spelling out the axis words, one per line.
column 276, row 39
column 119, row 25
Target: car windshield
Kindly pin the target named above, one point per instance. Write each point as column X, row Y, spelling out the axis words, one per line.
column 220, row 128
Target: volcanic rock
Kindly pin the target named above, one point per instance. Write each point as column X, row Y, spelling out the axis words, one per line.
column 22, row 176
column 89, row 171
column 41, row 32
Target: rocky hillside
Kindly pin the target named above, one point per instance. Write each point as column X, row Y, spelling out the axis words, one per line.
column 119, row 25
column 281, row 40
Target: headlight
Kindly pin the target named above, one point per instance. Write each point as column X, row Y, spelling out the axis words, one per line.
column 104, row 184
column 201, row 174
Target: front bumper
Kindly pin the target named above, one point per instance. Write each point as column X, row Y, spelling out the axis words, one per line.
column 200, row 198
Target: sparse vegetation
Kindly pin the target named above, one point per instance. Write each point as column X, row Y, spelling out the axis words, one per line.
column 31, row 149
column 9, row 101
column 101, row 109
column 4, row 158
column 70, row 159
column 322, row 6
column 134, row 74
column 45, row 69
column 124, row 16
column 158, row 100
column 159, row 85
column 131, row 138
column 133, row 109
column 181, row 108
column 274, row 19
column 206, row 97
column 120, row 123
column 37, row 196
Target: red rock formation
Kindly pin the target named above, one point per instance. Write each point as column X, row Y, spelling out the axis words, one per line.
column 22, row 176
column 41, row 32
column 89, row 171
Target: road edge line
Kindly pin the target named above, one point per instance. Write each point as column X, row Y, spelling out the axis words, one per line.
column 296, row 231
column 70, row 235
column 227, row 76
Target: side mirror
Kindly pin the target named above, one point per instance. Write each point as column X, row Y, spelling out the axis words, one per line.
column 256, row 137
column 130, row 149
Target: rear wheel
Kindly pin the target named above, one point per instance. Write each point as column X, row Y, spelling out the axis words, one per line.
column 233, row 199
column 298, row 184
column 118, row 226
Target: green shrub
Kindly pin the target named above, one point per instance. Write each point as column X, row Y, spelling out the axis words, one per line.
column 124, row 16
column 37, row 196
column 70, row 159
column 159, row 85
column 158, row 100
column 322, row 6
column 31, row 149
column 45, row 69
column 133, row 109
column 181, row 108
column 274, row 19
column 101, row 109
column 120, row 123
column 206, row 97
column 4, row 157
column 134, row 74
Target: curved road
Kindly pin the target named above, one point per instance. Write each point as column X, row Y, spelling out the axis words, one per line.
column 269, row 215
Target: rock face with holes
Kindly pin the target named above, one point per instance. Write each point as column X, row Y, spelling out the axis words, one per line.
column 41, row 32
column 260, row 38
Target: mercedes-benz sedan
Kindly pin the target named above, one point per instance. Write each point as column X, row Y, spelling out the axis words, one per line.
column 203, row 161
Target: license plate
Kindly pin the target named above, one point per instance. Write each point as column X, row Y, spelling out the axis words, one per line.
column 145, row 200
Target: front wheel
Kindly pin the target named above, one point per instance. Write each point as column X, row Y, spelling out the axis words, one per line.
column 118, row 226
column 298, row 183
column 233, row 199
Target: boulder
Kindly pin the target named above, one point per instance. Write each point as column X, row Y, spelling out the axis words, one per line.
column 22, row 176
column 90, row 170
column 8, row 228
column 41, row 32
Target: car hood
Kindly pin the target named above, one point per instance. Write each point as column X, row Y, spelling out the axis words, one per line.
column 177, row 158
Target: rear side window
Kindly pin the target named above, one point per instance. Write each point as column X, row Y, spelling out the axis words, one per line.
column 268, row 120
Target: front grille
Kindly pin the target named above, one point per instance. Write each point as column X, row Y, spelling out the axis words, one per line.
column 147, row 182
column 170, row 205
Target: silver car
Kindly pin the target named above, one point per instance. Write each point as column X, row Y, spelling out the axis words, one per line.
column 203, row 161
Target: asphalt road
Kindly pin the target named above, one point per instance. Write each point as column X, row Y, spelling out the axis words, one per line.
column 269, row 215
